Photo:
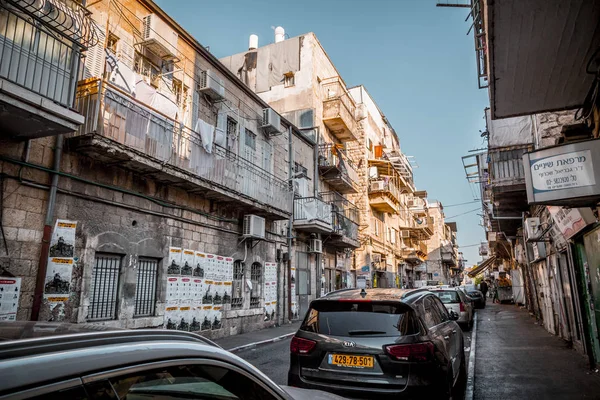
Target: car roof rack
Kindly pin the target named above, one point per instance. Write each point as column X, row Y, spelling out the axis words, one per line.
column 50, row 344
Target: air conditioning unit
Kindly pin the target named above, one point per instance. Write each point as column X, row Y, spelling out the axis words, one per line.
column 159, row 38
column 405, row 234
column 211, row 85
column 532, row 228
column 377, row 186
column 315, row 246
column 254, row 227
column 271, row 121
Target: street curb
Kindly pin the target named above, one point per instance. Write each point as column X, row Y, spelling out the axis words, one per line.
column 252, row 345
column 471, row 371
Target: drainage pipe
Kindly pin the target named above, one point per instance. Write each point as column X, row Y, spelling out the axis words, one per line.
column 47, row 235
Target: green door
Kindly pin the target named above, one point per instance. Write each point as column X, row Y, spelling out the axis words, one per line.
column 589, row 257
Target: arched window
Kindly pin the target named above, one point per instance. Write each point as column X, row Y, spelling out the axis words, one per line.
column 237, row 287
column 256, row 278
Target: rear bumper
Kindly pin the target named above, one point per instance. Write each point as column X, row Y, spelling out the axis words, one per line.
column 351, row 392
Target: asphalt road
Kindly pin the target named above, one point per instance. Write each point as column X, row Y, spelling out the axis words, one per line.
column 274, row 359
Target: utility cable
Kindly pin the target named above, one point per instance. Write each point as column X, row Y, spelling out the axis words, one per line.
column 468, row 212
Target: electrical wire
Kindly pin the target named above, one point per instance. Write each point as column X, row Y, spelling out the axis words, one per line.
column 468, row 212
column 461, row 204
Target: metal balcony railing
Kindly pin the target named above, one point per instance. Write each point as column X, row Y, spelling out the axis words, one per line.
column 344, row 226
column 342, row 205
column 36, row 58
column 123, row 119
column 506, row 167
column 331, row 156
column 311, row 209
column 333, row 89
column 380, row 185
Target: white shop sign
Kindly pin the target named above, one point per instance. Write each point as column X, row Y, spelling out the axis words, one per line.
column 562, row 171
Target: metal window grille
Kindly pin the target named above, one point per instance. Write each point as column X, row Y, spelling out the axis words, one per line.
column 104, row 288
column 250, row 139
column 256, row 279
column 237, row 298
column 145, row 290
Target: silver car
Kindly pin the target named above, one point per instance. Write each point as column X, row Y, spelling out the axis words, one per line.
column 65, row 361
column 455, row 300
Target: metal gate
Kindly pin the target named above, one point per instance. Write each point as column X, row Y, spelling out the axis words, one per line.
column 104, row 288
column 303, row 282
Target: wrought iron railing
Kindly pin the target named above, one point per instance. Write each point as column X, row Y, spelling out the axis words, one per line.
column 36, row 59
column 311, row 209
column 342, row 205
column 344, row 226
column 123, row 119
column 331, row 156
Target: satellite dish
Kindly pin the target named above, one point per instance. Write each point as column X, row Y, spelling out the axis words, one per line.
column 419, row 221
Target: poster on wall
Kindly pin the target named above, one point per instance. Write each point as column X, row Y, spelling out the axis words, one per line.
column 199, row 262
column 209, row 279
column 188, row 259
column 206, row 315
column 216, row 317
column 218, row 279
column 171, row 318
column 62, row 243
column 196, row 304
column 228, row 283
column 10, row 289
column 174, row 263
column 57, row 286
column 293, row 294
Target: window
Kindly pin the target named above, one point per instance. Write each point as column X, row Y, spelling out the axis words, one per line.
column 177, row 89
column 104, row 288
column 111, row 43
column 288, row 79
column 250, row 139
column 348, row 318
column 431, row 315
column 74, row 393
column 145, row 289
column 149, row 71
column 300, row 170
column 442, row 311
column 256, row 280
column 237, row 296
column 231, row 133
column 181, row 382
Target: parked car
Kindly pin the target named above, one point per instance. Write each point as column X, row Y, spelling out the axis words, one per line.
column 64, row 361
column 379, row 343
column 455, row 300
column 475, row 294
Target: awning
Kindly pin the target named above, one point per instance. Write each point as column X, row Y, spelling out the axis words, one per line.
column 482, row 267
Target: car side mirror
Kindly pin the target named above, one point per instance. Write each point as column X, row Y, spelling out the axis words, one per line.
column 454, row 316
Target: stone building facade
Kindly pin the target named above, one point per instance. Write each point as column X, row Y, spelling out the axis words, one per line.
column 174, row 154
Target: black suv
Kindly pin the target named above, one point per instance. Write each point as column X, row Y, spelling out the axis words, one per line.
column 379, row 343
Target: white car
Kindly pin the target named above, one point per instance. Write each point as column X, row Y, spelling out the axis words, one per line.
column 455, row 300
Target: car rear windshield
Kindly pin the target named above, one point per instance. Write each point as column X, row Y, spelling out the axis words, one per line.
column 348, row 318
column 448, row 297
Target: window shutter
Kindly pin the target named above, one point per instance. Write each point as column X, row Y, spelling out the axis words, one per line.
column 95, row 57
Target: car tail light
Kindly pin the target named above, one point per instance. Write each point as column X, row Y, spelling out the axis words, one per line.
column 462, row 307
column 411, row 352
column 301, row 346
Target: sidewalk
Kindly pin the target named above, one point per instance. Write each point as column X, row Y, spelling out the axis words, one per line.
column 518, row 359
column 252, row 339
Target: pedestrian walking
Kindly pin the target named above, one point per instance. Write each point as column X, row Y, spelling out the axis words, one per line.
column 483, row 287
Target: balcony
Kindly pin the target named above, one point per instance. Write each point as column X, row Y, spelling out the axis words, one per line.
column 120, row 130
column 449, row 257
column 414, row 255
column 506, row 169
column 337, row 169
column 384, row 195
column 345, row 232
column 40, row 54
column 339, row 110
column 313, row 215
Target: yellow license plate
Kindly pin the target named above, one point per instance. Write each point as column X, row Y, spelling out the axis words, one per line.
column 347, row 360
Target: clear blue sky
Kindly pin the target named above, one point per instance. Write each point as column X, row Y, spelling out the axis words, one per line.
column 413, row 57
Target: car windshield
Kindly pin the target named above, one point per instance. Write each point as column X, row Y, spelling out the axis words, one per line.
column 448, row 296
column 359, row 319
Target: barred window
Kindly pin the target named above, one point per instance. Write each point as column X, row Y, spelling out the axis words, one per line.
column 250, row 139
column 256, row 280
column 145, row 289
column 237, row 296
column 104, row 287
